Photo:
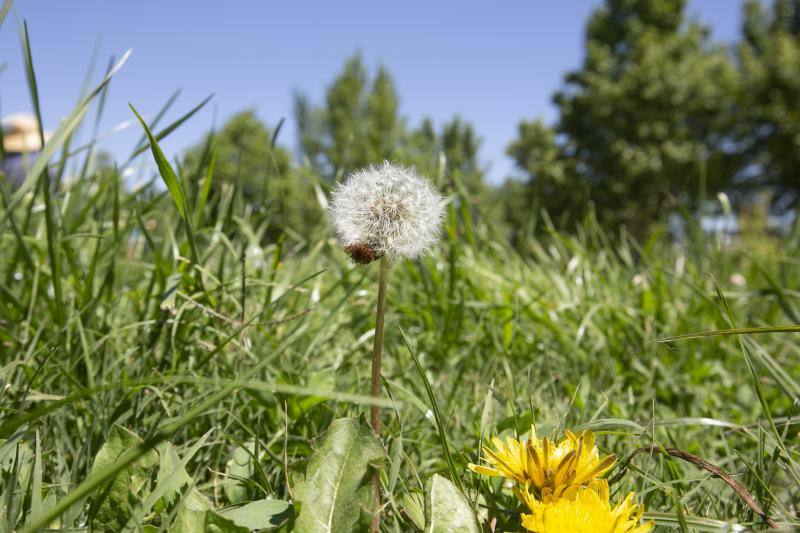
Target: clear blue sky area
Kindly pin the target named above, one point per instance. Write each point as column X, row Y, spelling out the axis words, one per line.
column 493, row 63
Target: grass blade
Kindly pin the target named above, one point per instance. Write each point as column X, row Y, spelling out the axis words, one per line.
column 44, row 178
column 164, row 168
column 731, row 331
column 172, row 127
column 203, row 198
column 454, row 473
column 4, row 10
column 175, row 187
column 790, row 463
column 156, row 120
column 67, row 127
column 697, row 523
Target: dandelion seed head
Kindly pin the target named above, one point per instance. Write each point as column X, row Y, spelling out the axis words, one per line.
column 386, row 210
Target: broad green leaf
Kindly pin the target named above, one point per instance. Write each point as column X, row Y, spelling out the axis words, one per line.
column 336, row 491
column 191, row 517
column 216, row 523
column 260, row 514
column 114, row 501
column 172, row 476
column 171, row 473
column 413, row 503
column 240, row 465
column 446, row 509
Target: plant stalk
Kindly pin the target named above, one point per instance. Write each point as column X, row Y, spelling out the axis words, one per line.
column 375, row 412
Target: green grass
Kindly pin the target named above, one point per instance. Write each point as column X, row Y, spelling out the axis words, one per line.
column 135, row 309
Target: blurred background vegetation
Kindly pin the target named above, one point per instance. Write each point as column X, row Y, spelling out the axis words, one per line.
column 656, row 122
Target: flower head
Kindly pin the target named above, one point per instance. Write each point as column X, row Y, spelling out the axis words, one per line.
column 386, row 210
column 585, row 510
column 545, row 466
column 508, row 460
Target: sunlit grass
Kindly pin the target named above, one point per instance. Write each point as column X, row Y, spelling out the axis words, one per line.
column 139, row 310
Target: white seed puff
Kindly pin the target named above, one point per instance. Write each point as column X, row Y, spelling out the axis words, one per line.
column 389, row 210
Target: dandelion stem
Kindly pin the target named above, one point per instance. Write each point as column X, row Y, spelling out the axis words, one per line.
column 377, row 349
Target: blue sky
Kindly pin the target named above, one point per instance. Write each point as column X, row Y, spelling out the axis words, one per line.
column 493, row 63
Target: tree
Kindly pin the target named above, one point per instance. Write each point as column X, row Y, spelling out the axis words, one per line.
column 358, row 125
column 551, row 184
column 642, row 123
column 261, row 174
column 452, row 152
column 769, row 131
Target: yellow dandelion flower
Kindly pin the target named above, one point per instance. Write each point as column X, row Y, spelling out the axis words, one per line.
column 545, row 466
column 574, row 460
column 585, row 510
column 509, row 460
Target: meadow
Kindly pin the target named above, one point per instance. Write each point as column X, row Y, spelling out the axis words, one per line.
column 165, row 366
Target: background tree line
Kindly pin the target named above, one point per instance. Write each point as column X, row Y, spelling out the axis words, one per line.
column 657, row 120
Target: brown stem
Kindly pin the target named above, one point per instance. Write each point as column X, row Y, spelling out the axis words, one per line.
column 375, row 413
column 740, row 489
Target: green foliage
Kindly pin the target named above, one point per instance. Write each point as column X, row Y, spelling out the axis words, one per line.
column 360, row 124
column 111, row 506
column 446, row 509
column 128, row 499
column 357, row 126
column 260, row 514
column 551, row 183
column 193, row 513
column 453, row 153
column 215, row 523
column 247, row 160
column 657, row 119
column 562, row 335
column 335, row 492
column 769, row 124
column 643, row 120
column 226, row 372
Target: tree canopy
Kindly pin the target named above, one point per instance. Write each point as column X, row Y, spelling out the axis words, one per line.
column 656, row 120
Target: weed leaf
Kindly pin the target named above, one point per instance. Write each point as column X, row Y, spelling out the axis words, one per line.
column 446, row 509
column 336, row 493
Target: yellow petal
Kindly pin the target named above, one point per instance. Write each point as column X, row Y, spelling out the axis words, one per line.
column 484, row 470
